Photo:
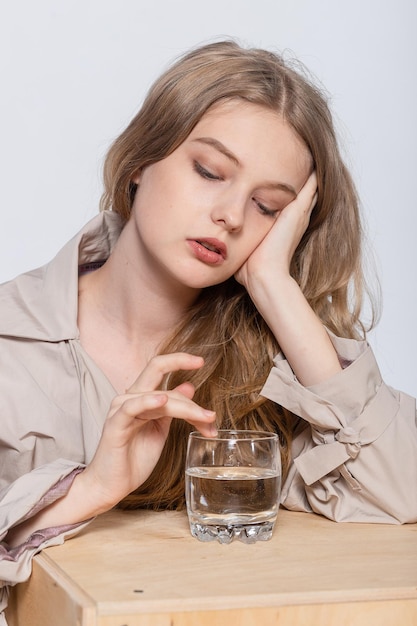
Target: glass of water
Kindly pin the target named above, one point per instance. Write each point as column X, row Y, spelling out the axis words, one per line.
column 232, row 485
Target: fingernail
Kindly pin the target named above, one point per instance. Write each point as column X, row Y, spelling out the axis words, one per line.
column 209, row 413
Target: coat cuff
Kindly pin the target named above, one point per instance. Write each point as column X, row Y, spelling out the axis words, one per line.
column 369, row 426
column 350, row 410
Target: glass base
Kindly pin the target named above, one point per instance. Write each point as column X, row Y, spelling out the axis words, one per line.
column 248, row 533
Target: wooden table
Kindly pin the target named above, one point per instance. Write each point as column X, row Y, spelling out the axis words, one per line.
column 144, row 569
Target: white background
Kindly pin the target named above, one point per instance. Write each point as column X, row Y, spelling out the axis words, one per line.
column 74, row 73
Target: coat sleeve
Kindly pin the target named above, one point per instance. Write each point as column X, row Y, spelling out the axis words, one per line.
column 21, row 500
column 355, row 456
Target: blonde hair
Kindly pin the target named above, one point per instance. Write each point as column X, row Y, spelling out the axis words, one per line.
column 223, row 325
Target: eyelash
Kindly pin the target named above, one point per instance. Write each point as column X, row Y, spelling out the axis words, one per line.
column 265, row 211
column 206, row 174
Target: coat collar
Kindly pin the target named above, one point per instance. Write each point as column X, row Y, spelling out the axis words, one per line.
column 42, row 304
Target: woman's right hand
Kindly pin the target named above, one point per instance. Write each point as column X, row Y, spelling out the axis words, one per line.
column 133, row 436
column 137, row 426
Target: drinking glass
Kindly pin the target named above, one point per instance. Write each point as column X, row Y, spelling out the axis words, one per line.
column 232, row 485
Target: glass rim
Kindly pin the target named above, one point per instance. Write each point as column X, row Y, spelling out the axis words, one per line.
column 241, row 435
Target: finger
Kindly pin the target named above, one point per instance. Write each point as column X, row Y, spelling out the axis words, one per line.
column 186, row 389
column 161, row 365
column 313, row 202
column 311, row 190
column 304, row 203
column 308, row 193
column 137, row 410
column 311, row 183
column 126, row 407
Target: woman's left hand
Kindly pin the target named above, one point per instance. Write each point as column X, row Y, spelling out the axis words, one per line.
column 277, row 296
column 273, row 255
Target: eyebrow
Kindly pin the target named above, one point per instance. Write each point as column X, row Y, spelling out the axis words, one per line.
column 217, row 145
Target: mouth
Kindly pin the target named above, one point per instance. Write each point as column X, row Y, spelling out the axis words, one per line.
column 214, row 245
column 210, row 250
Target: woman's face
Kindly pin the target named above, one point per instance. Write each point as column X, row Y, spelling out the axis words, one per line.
column 199, row 213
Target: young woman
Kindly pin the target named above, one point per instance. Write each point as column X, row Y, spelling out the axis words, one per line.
column 220, row 286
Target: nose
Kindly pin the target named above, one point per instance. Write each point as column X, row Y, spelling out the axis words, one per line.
column 229, row 214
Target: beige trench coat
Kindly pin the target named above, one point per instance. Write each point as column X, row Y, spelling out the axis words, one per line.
column 355, row 459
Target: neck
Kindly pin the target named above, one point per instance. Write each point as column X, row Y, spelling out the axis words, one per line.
column 126, row 310
column 126, row 297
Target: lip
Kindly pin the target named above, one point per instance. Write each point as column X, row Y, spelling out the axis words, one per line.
column 212, row 257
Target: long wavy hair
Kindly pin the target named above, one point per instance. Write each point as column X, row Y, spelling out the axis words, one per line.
column 223, row 325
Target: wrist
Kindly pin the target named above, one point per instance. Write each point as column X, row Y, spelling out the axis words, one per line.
column 266, row 291
column 90, row 495
column 81, row 503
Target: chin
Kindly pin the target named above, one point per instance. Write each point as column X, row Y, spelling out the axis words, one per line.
column 203, row 284
column 191, row 279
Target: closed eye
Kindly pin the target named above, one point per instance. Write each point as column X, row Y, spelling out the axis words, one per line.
column 264, row 210
column 204, row 173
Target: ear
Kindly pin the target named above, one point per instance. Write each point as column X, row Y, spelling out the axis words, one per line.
column 136, row 177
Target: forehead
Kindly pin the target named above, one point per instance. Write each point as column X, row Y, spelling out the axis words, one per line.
column 254, row 132
column 236, row 113
column 235, row 108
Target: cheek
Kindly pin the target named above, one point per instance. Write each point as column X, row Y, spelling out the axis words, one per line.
column 255, row 237
column 260, row 229
column 149, row 203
